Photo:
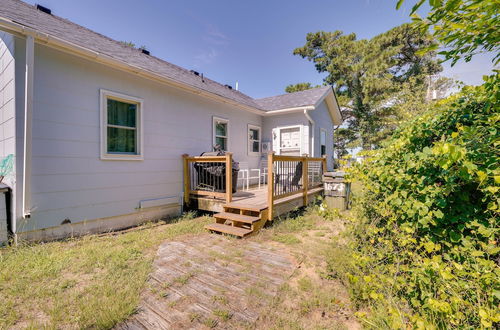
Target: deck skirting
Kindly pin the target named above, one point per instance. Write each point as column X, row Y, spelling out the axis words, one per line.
column 256, row 198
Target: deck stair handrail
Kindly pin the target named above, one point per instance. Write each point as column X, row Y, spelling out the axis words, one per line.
column 203, row 176
column 290, row 175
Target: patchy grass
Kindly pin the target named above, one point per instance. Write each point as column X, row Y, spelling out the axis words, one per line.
column 286, row 239
column 95, row 281
column 309, row 299
column 305, row 284
column 88, row 282
column 255, row 293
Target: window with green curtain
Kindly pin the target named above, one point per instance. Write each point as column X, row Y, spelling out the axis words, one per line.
column 122, row 127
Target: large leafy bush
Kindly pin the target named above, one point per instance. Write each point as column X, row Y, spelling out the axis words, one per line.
column 425, row 248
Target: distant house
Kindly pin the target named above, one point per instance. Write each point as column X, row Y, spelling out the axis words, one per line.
column 97, row 128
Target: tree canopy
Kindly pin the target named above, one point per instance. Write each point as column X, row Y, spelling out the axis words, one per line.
column 368, row 74
column 464, row 27
column 340, row 143
column 299, row 87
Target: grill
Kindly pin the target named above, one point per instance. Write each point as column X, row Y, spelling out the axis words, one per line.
column 211, row 176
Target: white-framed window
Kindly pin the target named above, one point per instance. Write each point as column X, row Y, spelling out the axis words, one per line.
column 121, row 126
column 322, row 141
column 221, row 132
column 254, row 140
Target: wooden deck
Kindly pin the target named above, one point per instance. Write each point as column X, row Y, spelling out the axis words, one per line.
column 208, row 185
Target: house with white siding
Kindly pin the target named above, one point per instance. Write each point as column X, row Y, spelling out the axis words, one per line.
column 96, row 129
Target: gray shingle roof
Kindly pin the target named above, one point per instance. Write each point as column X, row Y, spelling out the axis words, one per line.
column 27, row 15
column 292, row 100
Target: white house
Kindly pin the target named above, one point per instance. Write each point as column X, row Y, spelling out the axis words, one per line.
column 97, row 129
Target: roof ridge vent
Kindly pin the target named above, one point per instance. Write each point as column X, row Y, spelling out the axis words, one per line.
column 44, row 9
column 145, row 51
column 228, row 86
column 196, row 73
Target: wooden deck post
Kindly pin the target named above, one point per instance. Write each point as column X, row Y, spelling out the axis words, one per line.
column 186, row 178
column 229, row 177
column 270, row 185
column 305, row 179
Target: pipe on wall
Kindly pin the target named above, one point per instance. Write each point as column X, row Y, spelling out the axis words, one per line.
column 28, row 124
column 313, row 127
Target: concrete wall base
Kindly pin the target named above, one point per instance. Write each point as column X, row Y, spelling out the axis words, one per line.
column 101, row 225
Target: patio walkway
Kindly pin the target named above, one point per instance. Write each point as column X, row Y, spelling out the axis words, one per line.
column 210, row 281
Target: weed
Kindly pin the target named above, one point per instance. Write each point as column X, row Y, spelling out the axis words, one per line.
column 220, row 299
column 305, row 284
column 210, row 323
column 194, row 317
column 223, row 314
column 183, row 279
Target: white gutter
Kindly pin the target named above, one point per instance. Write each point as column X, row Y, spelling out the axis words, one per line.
column 313, row 127
column 71, row 48
column 28, row 124
column 286, row 110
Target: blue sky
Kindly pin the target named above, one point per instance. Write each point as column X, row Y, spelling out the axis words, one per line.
column 246, row 41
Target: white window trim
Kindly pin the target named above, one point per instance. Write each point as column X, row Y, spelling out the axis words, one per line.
column 222, row 120
column 249, row 148
column 104, row 95
column 326, row 139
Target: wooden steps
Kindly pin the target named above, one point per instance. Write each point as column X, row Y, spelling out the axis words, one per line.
column 239, row 220
column 222, row 228
column 237, row 217
column 246, row 207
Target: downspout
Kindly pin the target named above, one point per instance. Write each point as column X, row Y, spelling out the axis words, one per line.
column 313, row 127
column 28, row 124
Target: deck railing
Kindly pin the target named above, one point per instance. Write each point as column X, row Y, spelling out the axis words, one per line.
column 208, row 176
column 287, row 176
column 290, row 175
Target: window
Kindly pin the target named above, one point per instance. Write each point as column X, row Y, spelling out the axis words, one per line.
column 253, row 140
column 322, row 141
column 221, row 133
column 121, row 135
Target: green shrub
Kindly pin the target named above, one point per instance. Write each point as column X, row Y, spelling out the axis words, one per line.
column 424, row 247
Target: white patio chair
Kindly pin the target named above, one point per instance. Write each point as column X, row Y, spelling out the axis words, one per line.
column 248, row 174
column 243, row 173
column 263, row 168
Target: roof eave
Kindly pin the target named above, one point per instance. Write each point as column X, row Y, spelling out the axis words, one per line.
column 68, row 47
column 331, row 103
column 333, row 106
